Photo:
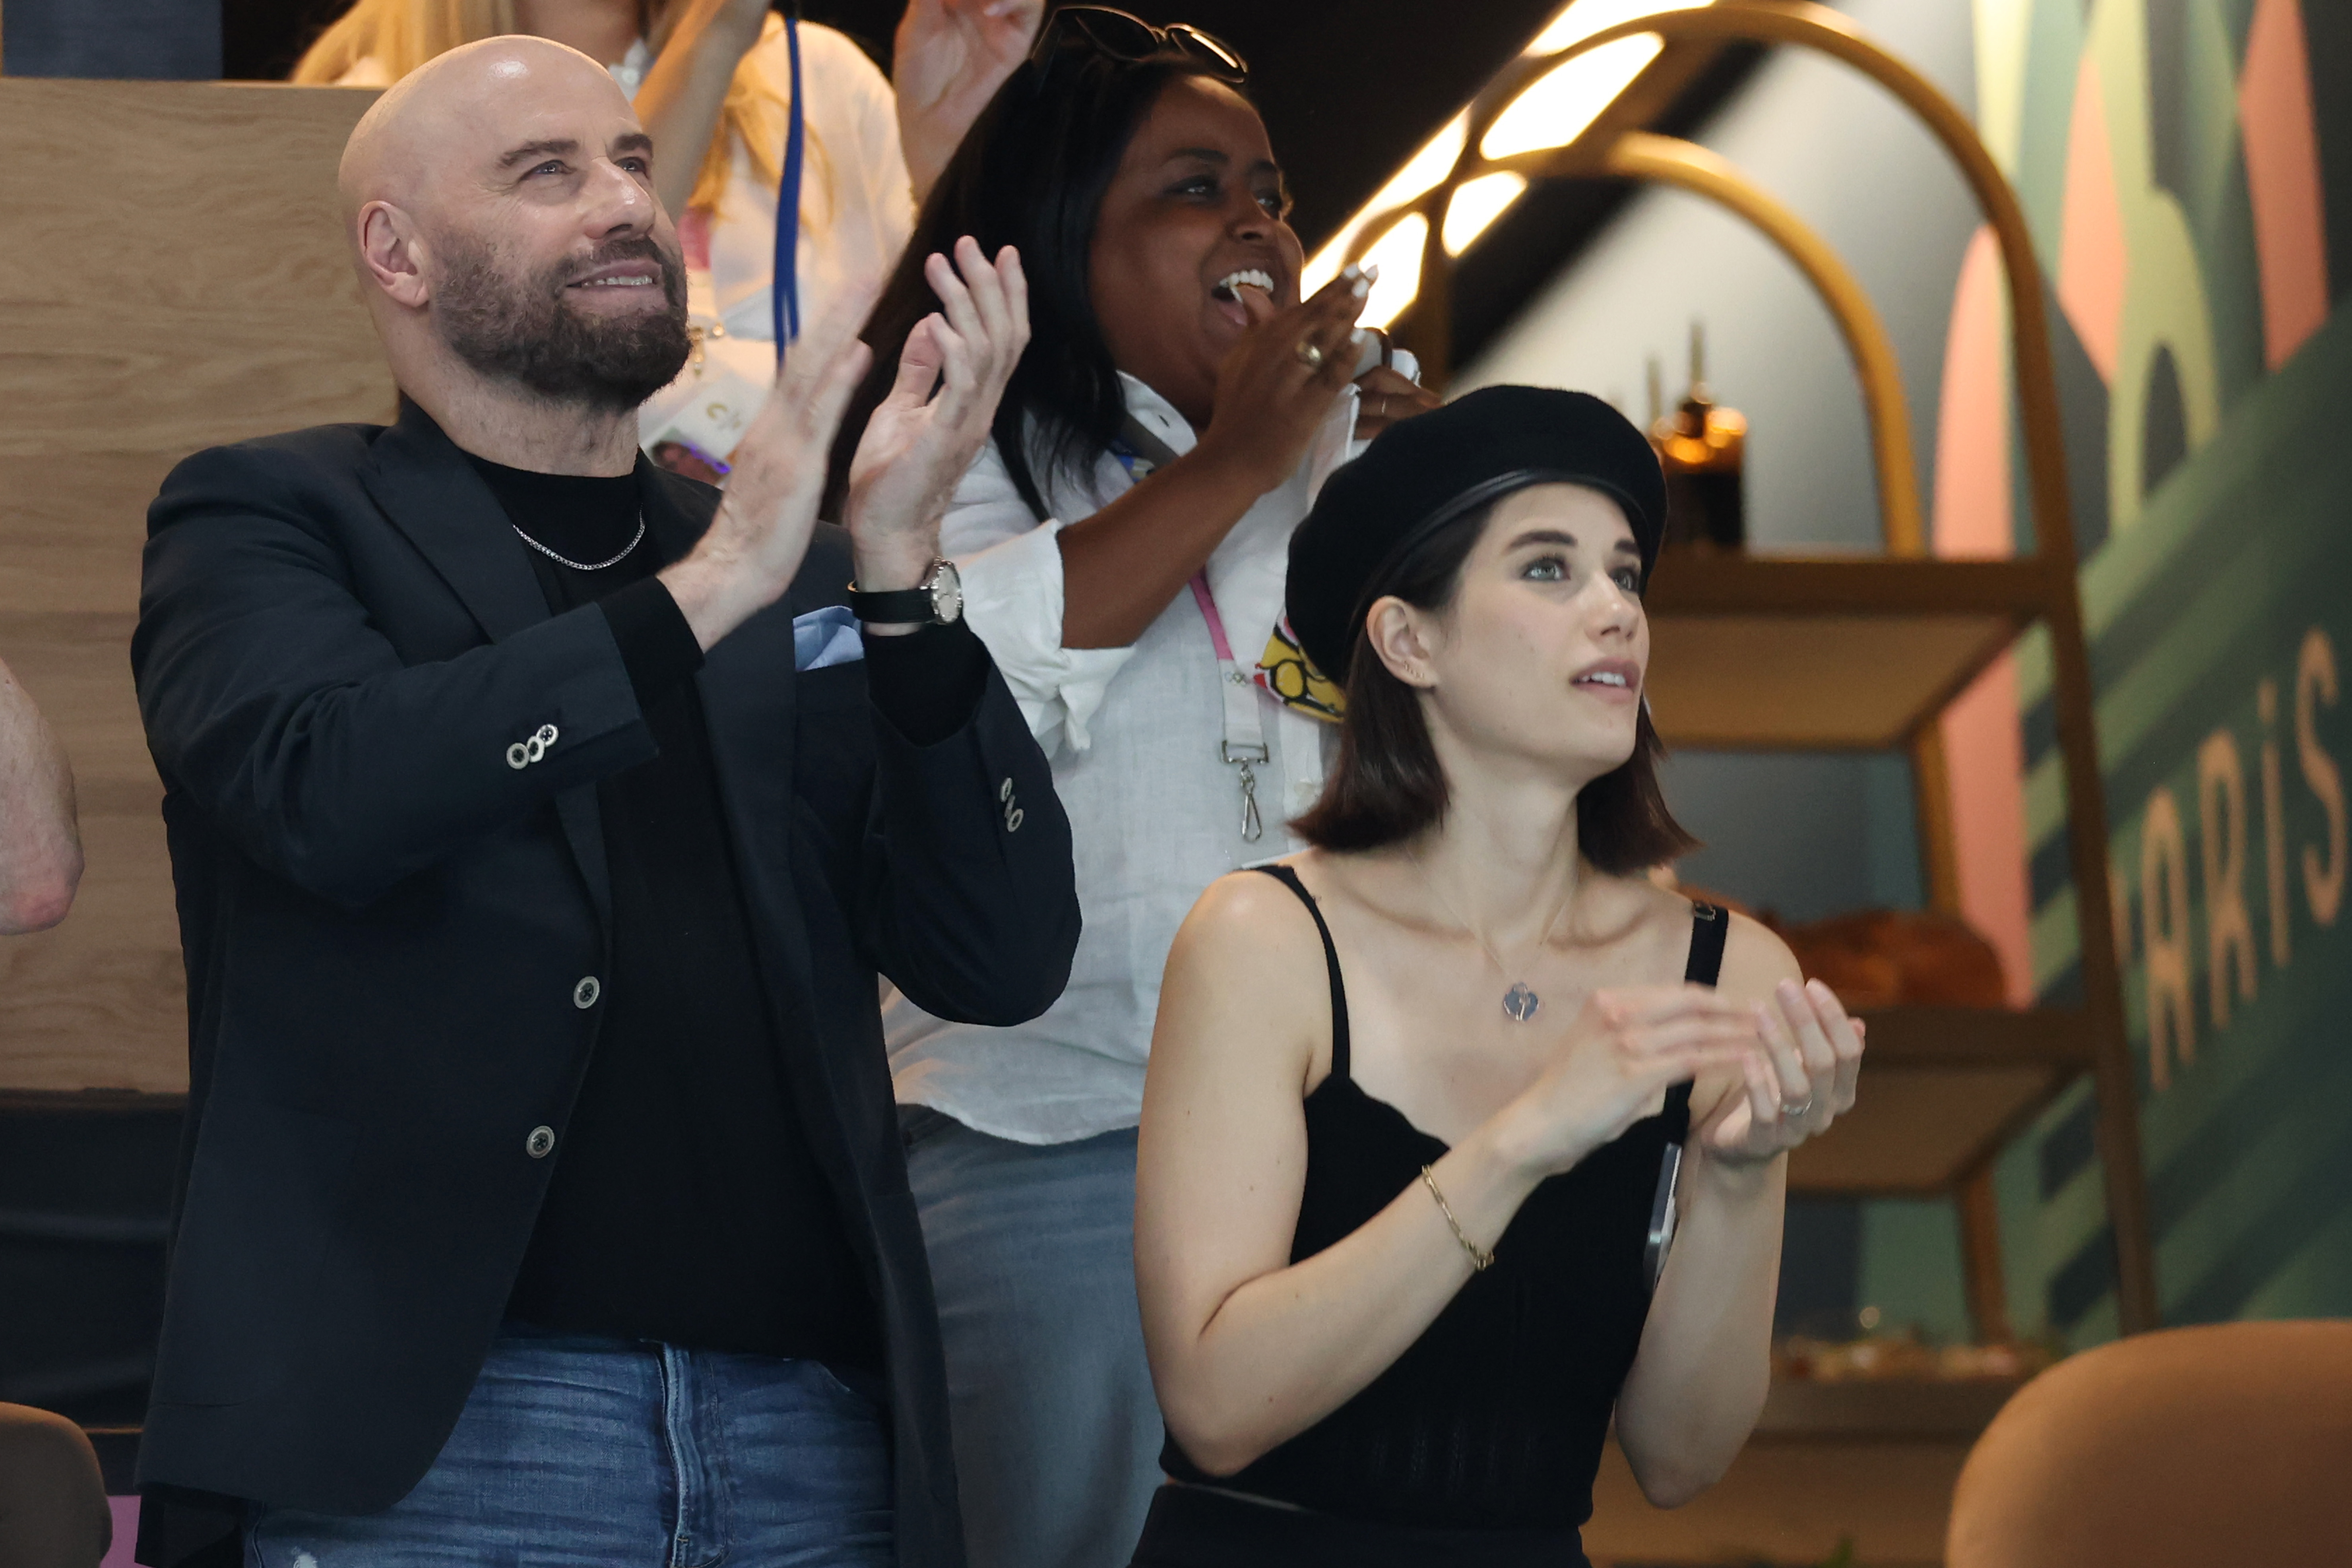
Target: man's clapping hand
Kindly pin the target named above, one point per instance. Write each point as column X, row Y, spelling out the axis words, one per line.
column 915, row 448
column 934, row 420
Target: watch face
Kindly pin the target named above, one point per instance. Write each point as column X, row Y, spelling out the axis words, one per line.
column 947, row 593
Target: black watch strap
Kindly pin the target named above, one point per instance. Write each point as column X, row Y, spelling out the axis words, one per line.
column 899, row 606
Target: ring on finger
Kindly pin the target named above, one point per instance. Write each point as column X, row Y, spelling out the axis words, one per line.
column 1797, row 1111
column 1308, row 354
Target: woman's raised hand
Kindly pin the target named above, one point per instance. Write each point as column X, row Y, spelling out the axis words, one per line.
column 1802, row 1080
column 1277, row 385
column 951, row 56
column 1614, row 1064
column 1389, row 397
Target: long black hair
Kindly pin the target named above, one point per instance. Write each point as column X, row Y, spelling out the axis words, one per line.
column 1029, row 173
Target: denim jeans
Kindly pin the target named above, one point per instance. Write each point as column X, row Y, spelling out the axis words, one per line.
column 1033, row 1256
column 599, row 1453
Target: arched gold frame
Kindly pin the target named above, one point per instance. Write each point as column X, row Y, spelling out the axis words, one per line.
column 1603, row 151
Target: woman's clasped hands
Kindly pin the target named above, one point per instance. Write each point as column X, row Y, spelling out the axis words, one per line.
column 1803, row 1079
column 1792, row 1065
column 1276, row 385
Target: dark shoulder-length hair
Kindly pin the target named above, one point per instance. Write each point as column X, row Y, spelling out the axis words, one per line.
column 1029, row 173
column 1388, row 784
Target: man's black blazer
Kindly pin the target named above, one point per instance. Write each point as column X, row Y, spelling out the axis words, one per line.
column 387, row 927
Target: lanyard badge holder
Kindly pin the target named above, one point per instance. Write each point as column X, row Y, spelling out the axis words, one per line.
column 1243, row 745
column 784, row 292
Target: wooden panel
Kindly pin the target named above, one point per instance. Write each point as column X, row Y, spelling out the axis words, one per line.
column 1918, row 1129
column 1767, row 681
column 1763, row 652
column 189, row 287
column 1941, row 1088
column 1979, row 1036
column 193, row 285
column 1711, row 582
column 1910, row 1409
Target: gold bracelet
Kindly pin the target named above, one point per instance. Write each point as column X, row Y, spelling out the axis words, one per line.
column 1480, row 1259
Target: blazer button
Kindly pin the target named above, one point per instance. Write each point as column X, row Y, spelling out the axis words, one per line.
column 541, row 1144
column 585, row 995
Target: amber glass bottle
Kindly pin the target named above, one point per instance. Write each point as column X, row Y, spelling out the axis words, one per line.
column 1702, row 447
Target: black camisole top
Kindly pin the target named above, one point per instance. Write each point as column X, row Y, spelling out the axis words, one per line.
column 1492, row 1419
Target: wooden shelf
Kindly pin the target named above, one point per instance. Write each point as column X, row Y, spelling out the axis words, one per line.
column 1889, row 1409
column 1810, row 653
column 1942, row 1089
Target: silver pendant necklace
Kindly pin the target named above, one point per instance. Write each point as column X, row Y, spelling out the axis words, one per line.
column 1520, row 1002
column 586, row 565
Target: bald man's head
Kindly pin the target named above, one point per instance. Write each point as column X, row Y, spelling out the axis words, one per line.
column 500, row 205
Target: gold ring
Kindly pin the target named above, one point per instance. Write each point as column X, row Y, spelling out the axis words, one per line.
column 1308, row 354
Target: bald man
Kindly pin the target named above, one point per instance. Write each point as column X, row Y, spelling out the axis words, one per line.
column 541, row 822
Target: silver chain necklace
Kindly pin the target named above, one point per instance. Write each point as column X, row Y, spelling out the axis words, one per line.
column 585, row 566
column 1520, row 1002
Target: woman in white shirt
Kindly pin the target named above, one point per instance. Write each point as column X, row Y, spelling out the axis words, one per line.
column 1125, row 533
column 714, row 78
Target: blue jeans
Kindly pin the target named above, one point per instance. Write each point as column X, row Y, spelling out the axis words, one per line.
column 1033, row 1257
column 601, row 1453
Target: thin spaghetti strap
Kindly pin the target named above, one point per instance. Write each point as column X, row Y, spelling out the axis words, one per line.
column 1710, row 923
column 1290, row 878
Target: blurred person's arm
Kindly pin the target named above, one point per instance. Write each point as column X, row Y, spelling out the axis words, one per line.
column 683, row 94
column 40, row 849
column 947, row 62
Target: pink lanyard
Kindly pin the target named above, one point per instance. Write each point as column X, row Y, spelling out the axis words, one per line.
column 1244, row 745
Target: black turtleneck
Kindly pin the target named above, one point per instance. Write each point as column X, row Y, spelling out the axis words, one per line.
column 685, row 1206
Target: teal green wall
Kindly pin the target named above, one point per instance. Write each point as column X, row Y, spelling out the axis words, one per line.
column 2218, row 568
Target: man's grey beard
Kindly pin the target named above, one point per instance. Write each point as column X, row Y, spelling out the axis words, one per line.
column 528, row 333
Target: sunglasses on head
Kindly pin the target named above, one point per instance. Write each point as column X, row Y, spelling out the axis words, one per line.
column 1119, row 35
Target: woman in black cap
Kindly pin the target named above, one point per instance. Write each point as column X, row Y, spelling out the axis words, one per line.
column 1404, row 1239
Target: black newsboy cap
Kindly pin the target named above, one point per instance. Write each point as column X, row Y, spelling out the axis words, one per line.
column 1425, row 472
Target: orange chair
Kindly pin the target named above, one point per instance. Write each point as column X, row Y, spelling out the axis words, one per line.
column 2201, row 1447
column 53, row 1511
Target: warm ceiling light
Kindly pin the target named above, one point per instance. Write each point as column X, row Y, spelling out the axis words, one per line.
column 1424, row 169
column 1476, row 204
column 1552, row 111
column 1397, row 254
column 1586, row 17
column 1557, row 107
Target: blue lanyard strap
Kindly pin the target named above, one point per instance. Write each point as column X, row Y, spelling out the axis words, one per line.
column 785, row 291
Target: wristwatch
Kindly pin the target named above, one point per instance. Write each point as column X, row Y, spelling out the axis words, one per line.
column 937, row 601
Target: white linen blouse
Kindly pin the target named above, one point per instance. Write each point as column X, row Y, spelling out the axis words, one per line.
column 1133, row 735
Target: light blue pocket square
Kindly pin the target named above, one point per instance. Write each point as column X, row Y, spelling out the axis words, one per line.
column 823, row 638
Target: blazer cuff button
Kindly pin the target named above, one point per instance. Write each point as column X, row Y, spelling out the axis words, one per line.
column 541, row 1144
column 518, row 756
column 585, row 995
